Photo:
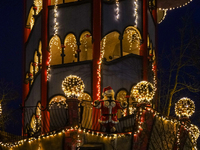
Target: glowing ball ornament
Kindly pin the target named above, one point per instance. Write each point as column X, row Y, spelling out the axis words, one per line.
column 194, row 132
column 73, row 86
column 184, row 107
column 143, row 91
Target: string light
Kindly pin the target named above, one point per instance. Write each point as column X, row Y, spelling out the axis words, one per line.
column 136, row 12
column 117, row 9
column 59, row 101
column 184, row 107
column 164, row 15
column 171, row 8
column 99, row 67
column 133, row 37
column 54, row 38
column 143, row 91
column 73, row 86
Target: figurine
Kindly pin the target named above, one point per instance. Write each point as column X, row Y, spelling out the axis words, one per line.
column 109, row 107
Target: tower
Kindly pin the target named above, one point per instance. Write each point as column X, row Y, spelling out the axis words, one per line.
column 104, row 42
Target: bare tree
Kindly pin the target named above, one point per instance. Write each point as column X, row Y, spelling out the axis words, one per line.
column 178, row 68
column 8, row 93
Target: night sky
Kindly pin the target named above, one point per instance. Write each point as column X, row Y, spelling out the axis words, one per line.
column 11, row 37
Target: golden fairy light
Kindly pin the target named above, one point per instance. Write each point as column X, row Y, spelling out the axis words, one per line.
column 73, row 86
column 143, row 91
column 184, row 107
column 194, row 132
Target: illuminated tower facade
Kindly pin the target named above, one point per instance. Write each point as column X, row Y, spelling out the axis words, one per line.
column 104, row 42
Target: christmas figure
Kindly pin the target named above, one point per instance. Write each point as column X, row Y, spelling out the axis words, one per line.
column 109, row 107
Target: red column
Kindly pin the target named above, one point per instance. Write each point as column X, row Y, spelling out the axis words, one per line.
column 96, row 53
column 45, row 54
column 154, row 13
column 143, row 48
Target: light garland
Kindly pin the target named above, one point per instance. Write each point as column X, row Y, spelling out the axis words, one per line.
column 194, row 131
column 72, row 129
column 55, row 34
column 143, row 91
column 117, row 9
column 165, row 13
column 184, row 107
column 172, row 8
column 71, row 42
column 59, row 101
column 99, row 67
column 136, row 12
column 0, row 109
column 73, row 86
column 132, row 37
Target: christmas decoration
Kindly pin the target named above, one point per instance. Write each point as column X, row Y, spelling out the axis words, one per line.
column 143, row 91
column 184, row 107
column 109, row 107
column 73, row 86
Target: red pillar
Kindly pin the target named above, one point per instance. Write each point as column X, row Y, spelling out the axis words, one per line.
column 96, row 53
column 154, row 12
column 143, row 48
column 45, row 54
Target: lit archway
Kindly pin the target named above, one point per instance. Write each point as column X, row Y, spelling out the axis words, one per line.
column 86, row 46
column 70, row 49
column 55, row 50
column 131, row 41
column 121, row 96
column 112, row 46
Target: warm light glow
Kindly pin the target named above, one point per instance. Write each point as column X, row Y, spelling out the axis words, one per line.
column 184, row 107
column 103, row 44
column 73, row 86
column 143, row 91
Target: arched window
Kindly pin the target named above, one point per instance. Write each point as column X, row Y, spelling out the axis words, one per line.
column 35, row 123
column 58, row 112
column 55, row 50
column 31, row 73
column 36, row 62
column 112, row 46
column 58, row 101
column 121, row 96
column 131, row 41
column 40, row 54
column 86, row 46
column 86, row 111
column 30, row 20
column 70, row 49
column 132, row 102
column 38, row 6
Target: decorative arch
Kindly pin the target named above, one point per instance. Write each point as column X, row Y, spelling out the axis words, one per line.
column 131, row 41
column 86, row 46
column 70, row 49
column 40, row 53
column 36, row 62
column 38, row 6
column 112, row 46
column 35, row 122
column 58, row 101
column 30, row 20
column 55, row 50
column 31, row 73
column 121, row 96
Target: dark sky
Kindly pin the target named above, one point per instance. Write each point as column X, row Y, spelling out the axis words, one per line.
column 11, row 36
